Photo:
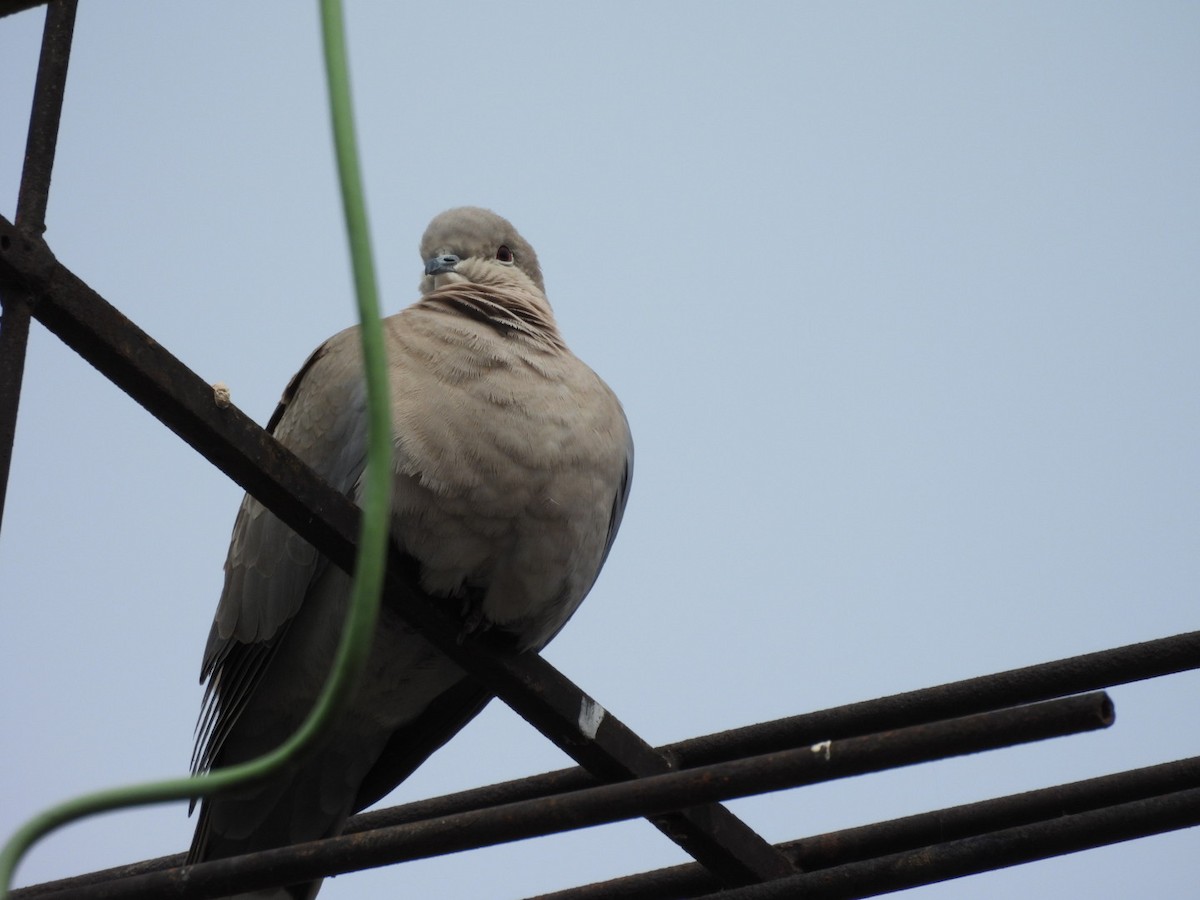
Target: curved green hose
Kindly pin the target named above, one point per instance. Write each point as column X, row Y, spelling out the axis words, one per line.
column 355, row 644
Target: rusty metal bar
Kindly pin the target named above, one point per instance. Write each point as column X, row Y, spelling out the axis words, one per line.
column 610, row 803
column 240, row 448
column 985, row 853
column 912, row 832
column 32, row 197
column 1075, row 674
column 929, row 829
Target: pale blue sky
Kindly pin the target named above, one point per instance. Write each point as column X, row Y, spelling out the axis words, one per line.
column 900, row 299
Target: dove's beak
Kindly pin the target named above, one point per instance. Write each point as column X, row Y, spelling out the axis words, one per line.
column 441, row 264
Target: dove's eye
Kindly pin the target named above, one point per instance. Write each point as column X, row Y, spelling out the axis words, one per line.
column 504, row 254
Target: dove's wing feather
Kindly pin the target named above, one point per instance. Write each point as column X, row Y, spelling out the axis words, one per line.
column 269, row 568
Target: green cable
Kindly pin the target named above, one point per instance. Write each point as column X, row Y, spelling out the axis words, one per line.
column 356, row 638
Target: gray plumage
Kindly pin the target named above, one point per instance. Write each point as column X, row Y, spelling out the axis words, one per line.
column 512, row 464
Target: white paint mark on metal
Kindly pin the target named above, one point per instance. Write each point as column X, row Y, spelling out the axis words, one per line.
column 591, row 714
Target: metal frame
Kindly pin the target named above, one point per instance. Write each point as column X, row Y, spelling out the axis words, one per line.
column 678, row 786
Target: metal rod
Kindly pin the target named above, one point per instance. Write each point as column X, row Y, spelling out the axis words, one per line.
column 985, row 853
column 610, row 803
column 913, row 832
column 1075, row 674
column 236, row 445
column 40, row 143
column 45, row 115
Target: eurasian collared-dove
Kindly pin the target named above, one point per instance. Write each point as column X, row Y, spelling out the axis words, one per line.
column 512, row 464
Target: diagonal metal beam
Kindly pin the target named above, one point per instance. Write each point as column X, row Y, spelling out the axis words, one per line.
column 8, row 7
column 240, row 448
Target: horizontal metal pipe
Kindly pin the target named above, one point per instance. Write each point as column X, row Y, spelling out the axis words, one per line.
column 1030, row 684
column 609, row 803
column 911, row 833
column 984, row 853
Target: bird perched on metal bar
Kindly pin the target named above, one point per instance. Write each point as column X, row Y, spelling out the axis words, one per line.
column 512, row 463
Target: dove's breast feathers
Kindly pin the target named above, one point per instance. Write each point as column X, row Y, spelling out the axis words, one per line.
column 506, row 450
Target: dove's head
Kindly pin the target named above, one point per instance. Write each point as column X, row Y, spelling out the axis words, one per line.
column 469, row 244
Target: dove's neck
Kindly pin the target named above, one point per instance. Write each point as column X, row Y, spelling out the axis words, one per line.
column 511, row 310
